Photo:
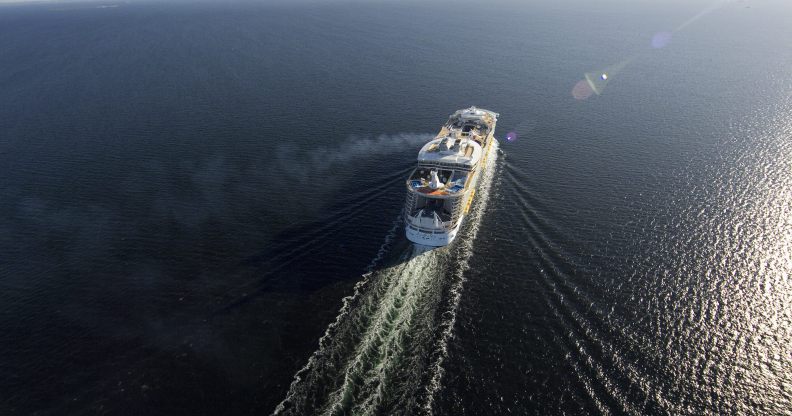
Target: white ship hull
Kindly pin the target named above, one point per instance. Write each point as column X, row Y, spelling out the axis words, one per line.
column 441, row 189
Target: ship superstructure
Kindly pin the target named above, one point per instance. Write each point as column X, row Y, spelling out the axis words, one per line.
column 441, row 188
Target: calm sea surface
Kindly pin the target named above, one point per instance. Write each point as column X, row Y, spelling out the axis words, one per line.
column 199, row 209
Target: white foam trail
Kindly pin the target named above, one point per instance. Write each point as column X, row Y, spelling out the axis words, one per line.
column 466, row 247
column 375, row 354
column 396, row 314
column 343, row 312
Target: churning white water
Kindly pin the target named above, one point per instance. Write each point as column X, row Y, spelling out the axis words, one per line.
column 386, row 348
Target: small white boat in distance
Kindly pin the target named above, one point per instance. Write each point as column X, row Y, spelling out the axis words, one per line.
column 442, row 186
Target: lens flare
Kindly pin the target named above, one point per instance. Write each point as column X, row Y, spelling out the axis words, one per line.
column 582, row 90
column 511, row 136
column 717, row 4
column 661, row 40
column 597, row 81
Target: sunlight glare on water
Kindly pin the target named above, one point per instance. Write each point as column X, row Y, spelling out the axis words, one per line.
column 736, row 313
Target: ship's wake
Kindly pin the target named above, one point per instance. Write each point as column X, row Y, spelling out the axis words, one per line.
column 384, row 352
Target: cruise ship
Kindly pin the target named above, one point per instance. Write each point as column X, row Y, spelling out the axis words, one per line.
column 441, row 188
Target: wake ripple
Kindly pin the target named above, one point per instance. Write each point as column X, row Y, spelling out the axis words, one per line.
column 384, row 352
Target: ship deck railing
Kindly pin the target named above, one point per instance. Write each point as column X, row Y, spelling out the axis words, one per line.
column 447, row 165
column 427, row 230
column 447, row 220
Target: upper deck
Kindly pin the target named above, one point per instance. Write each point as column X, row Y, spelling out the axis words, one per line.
column 462, row 139
column 453, row 154
column 451, row 150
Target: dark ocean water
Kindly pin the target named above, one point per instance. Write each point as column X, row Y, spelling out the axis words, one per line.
column 199, row 209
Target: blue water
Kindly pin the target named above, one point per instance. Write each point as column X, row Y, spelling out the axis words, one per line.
column 199, row 209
